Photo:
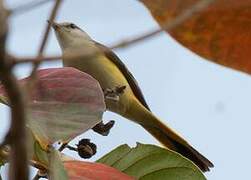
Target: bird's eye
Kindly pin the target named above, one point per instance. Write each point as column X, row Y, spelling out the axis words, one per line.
column 73, row 26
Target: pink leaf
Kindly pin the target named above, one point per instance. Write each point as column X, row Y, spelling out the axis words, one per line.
column 93, row 171
column 64, row 103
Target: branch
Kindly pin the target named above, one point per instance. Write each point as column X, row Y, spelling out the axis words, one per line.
column 16, row 135
column 131, row 41
column 38, row 165
column 46, row 34
column 48, row 27
column 188, row 13
column 5, row 155
column 37, row 62
column 26, row 7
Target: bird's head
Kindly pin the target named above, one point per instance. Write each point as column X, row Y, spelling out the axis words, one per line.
column 69, row 35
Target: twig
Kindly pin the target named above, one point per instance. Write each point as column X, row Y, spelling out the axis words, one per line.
column 21, row 60
column 5, row 155
column 48, row 26
column 46, row 35
column 188, row 13
column 28, row 6
column 16, row 134
column 38, row 165
column 37, row 62
column 131, row 41
column 36, row 177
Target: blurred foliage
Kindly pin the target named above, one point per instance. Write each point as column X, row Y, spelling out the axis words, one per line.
column 219, row 33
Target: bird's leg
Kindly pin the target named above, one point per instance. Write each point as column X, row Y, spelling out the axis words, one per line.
column 63, row 146
column 40, row 174
column 102, row 128
column 110, row 94
column 114, row 93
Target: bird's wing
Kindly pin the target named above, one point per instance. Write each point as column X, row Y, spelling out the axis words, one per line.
column 129, row 77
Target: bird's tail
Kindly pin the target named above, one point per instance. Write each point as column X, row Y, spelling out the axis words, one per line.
column 167, row 136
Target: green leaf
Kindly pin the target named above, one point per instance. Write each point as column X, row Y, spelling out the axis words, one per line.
column 2, row 162
column 40, row 154
column 115, row 155
column 173, row 174
column 4, row 100
column 152, row 162
column 3, row 95
column 57, row 170
column 4, row 154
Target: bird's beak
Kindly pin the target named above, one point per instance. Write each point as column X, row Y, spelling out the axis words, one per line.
column 55, row 25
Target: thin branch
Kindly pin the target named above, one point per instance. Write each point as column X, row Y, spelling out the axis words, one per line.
column 17, row 60
column 16, row 135
column 22, row 60
column 48, row 27
column 46, row 34
column 36, row 177
column 37, row 62
column 188, row 13
column 5, row 155
column 131, row 41
column 26, row 7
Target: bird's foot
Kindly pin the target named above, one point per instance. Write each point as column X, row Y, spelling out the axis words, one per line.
column 103, row 129
column 114, row 93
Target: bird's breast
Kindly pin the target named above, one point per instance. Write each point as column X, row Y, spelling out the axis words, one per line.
column 108, row 75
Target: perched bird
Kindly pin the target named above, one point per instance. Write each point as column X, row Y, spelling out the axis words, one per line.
column 105, row 66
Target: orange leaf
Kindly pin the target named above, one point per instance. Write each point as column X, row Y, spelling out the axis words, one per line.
column 90, row 171
column 220, row 33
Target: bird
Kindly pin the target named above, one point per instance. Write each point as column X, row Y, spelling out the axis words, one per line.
column 106, row 67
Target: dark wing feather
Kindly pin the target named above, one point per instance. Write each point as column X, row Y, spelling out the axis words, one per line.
column 129, row 77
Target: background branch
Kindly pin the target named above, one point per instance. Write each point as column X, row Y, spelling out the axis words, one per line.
column 16, row 135
column 26, row 7
column 46, row 35
column 188, row 13
column 37, row 61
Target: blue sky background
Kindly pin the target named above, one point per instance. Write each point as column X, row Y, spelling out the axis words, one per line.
column 206, row 103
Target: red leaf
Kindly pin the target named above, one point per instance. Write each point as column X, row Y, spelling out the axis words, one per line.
column 93, row 171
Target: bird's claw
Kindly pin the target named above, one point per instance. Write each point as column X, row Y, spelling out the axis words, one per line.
column 113, row 94
column 103, row 129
